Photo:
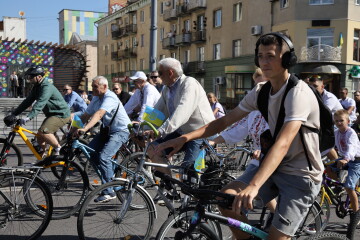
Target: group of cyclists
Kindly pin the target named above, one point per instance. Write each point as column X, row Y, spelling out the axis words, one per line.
column 287, row 171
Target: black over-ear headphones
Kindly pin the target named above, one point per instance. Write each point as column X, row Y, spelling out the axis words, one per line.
column 289, row 58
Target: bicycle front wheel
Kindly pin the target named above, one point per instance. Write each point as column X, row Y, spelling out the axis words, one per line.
column 68, row 192
column 176, row 226
column 98, row 220
column 12, row 157
column 25, row 206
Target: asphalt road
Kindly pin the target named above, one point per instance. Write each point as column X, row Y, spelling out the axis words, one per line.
column 66, row 229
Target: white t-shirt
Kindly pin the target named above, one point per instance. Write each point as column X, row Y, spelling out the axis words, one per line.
column 331, row 101
column 347, row 103
column 253, row 124
column 299, row 106
column 347, row 143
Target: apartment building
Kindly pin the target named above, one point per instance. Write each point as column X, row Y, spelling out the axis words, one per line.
column 215, row 40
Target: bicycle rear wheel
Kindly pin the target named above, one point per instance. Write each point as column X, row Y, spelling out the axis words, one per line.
column 177, row 225
column 327, row 236
column 70, row 193
column 25, row 206
column 12, row 157
column 312, row 224
column 102, row 221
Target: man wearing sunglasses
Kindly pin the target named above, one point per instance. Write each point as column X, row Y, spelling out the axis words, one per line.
column 154, row 76
column 50, row 101
column 74, row 100
column 123, row 96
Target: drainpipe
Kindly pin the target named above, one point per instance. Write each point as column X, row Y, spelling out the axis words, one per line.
column 153, row 36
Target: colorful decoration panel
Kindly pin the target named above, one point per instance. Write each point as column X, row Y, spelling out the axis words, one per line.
column 25, row 55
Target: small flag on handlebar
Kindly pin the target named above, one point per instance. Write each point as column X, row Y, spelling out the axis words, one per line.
column 76, row 122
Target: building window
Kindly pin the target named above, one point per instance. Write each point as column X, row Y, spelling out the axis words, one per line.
column 321, row 2
column 106, row 30
column 106, row 70
column 187, row 56
column 112, row 68
column 127, row 43
column 119, row 67
column 162, row 33
column 173, row 55
column 142, row 16
column 162, row 7
column 142, row 61
column 320, row 36
column 236, row 48
column 126, row 66
column 357, row 2
column 173, row 4
column 106, row 50
column 356, row 45
column 142, row 39
column 162, row 56
column 112, row 48
column 284, row 3
column 237, row 12
column 201, row 54
column 217, row 51
column 173, row 28
column 134, row 42
column 217, row 18
column 186, row 28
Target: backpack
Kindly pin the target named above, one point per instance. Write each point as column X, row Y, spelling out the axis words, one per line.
column 326, row 131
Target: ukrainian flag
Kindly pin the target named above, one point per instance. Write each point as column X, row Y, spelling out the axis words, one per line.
column 153, row 116
column 341, row 40
column 76, row 122
column 200, row 161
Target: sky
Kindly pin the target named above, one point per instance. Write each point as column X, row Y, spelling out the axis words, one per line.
column 41, row 15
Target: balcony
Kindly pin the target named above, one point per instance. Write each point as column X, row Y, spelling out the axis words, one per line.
column 130, row 29
column 182, row 10
column 128, row 53
column 168, row 43
column 115, row 56
column 198, row 36
column 132, row 1
column 183, row 39
column 115, row 31
column 196, row 67
column 169, row 14
column 133, row 52
column 196, row 5
column 320, row 53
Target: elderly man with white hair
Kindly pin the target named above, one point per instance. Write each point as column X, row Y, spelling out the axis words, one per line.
column 186, row 107
column 106, row 106
column 145, row 95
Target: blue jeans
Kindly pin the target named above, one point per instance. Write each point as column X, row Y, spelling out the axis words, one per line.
column 104, row 151
column 191, row 148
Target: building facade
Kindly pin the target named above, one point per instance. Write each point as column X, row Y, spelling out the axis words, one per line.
column 215, row 40
column 13, row 28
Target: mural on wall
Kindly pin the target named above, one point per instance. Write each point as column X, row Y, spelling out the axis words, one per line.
column 21, row 55
column 80, row 22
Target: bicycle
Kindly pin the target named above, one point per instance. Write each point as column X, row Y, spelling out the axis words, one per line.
column 192, row 223
column 115, row 218
column 25, row 203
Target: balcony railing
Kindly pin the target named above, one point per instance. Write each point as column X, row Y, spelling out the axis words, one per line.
column 320, row 53
column 114, row 56
column 183, row 39
column 182, row 10
column 199, row 36
column 115, row 31
column 168, row 43
column 169, row 14
column 128, row 53
column 132, row 1
column 196, row 67
column 196, row 5
column 131, row 29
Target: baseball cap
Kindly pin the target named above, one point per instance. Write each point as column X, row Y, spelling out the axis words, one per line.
column 139, row 75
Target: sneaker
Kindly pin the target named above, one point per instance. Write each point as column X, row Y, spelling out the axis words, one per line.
column 105, row 198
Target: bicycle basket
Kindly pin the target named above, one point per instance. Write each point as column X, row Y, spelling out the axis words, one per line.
column 214, row 179
column 10, row 120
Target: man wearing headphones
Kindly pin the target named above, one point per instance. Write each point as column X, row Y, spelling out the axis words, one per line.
column 284, row 172
column 50, row 101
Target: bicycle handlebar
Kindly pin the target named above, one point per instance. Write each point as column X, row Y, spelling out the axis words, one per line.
column 134, row 127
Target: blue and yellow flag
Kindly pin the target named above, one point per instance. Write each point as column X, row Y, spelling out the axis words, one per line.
column 200, row 161
column 76, row 122
column 341, row 40
column 153, row 116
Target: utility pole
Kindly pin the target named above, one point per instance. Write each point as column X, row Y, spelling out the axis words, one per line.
column 153, row 36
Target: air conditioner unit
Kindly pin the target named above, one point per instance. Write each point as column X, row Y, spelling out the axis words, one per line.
column 219, row 80
column 256, row 30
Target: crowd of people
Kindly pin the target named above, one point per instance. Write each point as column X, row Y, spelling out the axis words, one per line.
column 287, row 176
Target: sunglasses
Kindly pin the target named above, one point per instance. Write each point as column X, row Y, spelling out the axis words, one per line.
column 64, row 90
column 357, row 95
column 115, row 89
column 154, row 76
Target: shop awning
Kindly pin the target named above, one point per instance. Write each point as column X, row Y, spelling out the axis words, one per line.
column 240, row 69
column 328, row 69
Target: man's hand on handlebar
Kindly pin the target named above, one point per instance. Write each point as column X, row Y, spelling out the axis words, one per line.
column 79, row 132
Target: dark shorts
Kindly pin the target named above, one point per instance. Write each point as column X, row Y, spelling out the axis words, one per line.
column 53, row 124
